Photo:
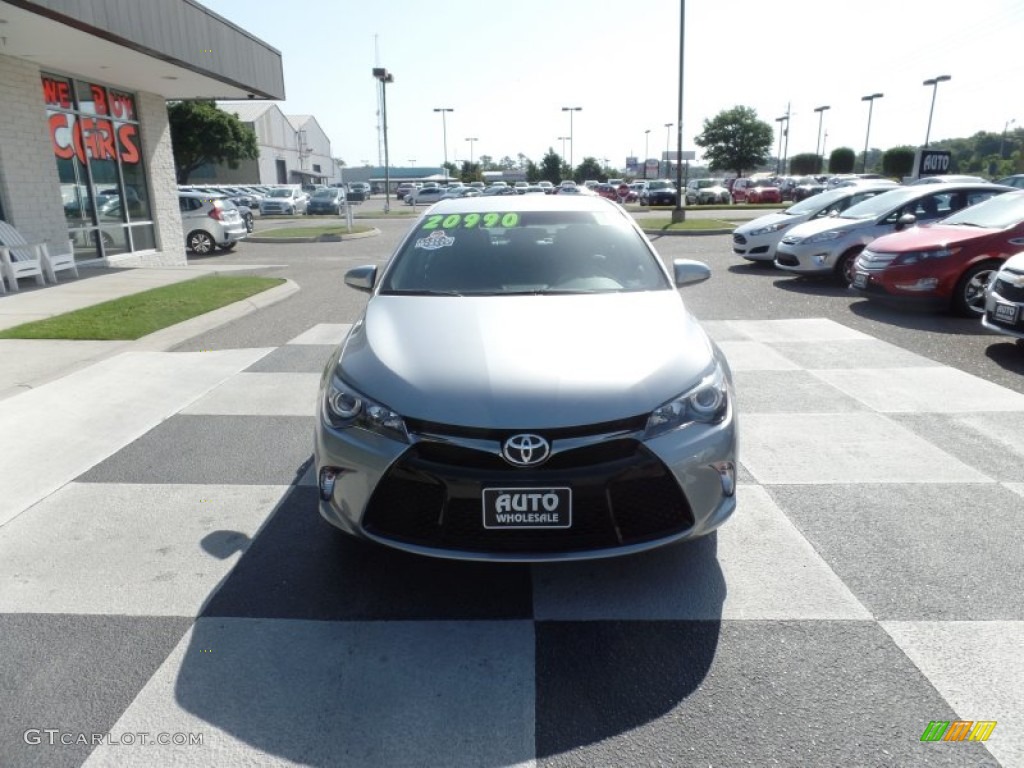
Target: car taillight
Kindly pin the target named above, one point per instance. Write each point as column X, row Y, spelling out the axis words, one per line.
column 216, row 213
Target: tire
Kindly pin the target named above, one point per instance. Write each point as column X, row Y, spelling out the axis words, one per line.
column 249, row 225
column 844, row 265
column 969, row 294
column 200, row 243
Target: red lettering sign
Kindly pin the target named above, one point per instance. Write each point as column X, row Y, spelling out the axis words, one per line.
column 123, row 105
column 99, row 99
column 56, row 92
column 127, row 134
column 92, row 138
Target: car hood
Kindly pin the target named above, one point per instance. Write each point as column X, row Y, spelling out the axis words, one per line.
column 767, row 221
column 828, row 224
column 929, row 237
column 526, row 362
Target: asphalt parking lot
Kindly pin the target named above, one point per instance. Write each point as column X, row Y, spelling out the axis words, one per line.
column 869, row 584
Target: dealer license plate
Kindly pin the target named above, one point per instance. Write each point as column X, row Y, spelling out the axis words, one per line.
column 860, row 280
column 1006, row 313
column 527, row 507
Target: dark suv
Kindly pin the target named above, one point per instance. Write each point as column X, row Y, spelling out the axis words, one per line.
column 659, row 192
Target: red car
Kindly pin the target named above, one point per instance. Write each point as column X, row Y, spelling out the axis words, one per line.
column 764, row 191
column 945, row 265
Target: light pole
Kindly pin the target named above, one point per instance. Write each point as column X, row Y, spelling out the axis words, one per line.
column 570, row 110
column 934, row 83
column 1002, row 141
column 778, row 157
column 668, row 137
column 444, row 133
column 646, row 139
column 817, row 144
column 871, row 105
column 471, row 140
column 678, row 214
column 384, row 77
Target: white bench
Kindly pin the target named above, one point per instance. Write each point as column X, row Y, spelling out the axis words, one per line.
column 20, row 258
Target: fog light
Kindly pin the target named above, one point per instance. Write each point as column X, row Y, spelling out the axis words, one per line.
column 727, row 474
column 328, row 476
column 924, row 284
column 820, row 259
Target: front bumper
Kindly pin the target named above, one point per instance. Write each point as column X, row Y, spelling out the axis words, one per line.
column 882, row 285
column 1004, row 296
column 807, row 259
column 629, row 494
column 759, row 248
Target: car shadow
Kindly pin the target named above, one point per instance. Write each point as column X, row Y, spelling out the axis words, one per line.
column 765, row 268
column 1008, row 355
column 321, row 649
column 817, row 286
column 915, row 318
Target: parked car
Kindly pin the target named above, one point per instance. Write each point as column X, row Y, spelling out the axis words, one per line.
column 358, row 191
column 404, row 190
column 764, row 191
column 707, row 192
column 808, row 186
column 830, row 246
column 659, row 192
column 738, row 188
column 425, row 196
column 326, row 200
column 1004, row 300
column 457, row 192
column 607, row 191
column 1017, row 180
column 548, row 187
column 945, row 179
column 209, row 222
column 947, row 265
column 286, row 200
column 757, row 240
column 439, row 432
column 244, row 211
column 499, row 190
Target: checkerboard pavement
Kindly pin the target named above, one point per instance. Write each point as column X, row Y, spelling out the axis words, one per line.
column 172, row 576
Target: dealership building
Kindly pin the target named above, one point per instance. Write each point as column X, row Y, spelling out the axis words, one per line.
column 85, row 146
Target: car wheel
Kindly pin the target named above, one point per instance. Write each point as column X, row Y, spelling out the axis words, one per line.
column 249, row 225
column 969, row 295
column 200, row 243
column 844, row 265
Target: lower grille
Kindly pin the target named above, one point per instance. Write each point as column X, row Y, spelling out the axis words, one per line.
column 621, row 494
column 739, row 239
column 1007, row 291
column 787, row 259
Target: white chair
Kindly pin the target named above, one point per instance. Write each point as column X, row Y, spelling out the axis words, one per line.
column 20, row 258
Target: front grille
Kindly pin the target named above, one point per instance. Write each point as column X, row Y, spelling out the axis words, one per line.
column 759, row 249
column 739, row 239
column 629, row 424
column 1007, row 290
column 787, row 259
column 622, row 494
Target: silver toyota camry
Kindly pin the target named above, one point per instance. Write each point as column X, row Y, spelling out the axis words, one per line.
column 526, row 384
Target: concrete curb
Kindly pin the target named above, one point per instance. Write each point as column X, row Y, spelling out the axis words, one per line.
column 314, row 239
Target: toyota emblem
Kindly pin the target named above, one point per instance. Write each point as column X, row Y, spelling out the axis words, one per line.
column 525, row 450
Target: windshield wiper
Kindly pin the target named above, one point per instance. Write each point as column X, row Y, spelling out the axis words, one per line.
column 421, row 292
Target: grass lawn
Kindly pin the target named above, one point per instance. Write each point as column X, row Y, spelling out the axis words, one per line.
column 323, row 229
column 690, row 225
column 132, row 317
column 395, row 212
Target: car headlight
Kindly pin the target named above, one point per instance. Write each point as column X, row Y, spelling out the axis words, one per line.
column 770, row 228
column 913, row 257
column 345, row 407
column 822, row 237
column 706, row 403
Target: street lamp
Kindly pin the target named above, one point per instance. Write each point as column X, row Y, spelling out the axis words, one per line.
column 646, row 138
column 871, row 105
column 778, row 157
column 1002, row 141
column 444, row 131
column 384, row 77
column 817, row 144
column 570, row 110
column 471, row 139
column 668, row 137
column 934, row 83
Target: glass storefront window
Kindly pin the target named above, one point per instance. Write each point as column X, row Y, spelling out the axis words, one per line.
column 94, row 131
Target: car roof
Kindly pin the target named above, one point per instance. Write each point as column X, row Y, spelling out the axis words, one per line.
column 518, row 203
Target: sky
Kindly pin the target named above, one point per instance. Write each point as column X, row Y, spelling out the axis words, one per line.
column 507, row 70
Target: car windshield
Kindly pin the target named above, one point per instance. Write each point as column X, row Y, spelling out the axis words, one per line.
column 997, row 212
column 527, row 252
column 280, row 193
column 764, row 183
column 881, row 204
column 325, row 193
column 817, row 202
column 659, row 185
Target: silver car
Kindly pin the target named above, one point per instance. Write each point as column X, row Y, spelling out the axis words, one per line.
column 757, row 240
column 831, row 246
column 526, row 384
column 1004, row 299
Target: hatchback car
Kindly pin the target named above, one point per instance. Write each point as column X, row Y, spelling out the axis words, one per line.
column 510, row 391
column 1004, row 300
column 425, row 195
column 286, row 200
column 830, row 246
column 757, row 240
column 326, row 200
column 763, row 191
column 209, row 222
column 946, row 265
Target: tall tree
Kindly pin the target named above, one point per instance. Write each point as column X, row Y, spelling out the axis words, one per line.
column 898, row 161
column 532, row 171
column 588, row 169
column 841, row 160
column 804, row 164
column 551, row 167
column 203, row 133
column 470, row 171
column 735, row 140
column 487, row 163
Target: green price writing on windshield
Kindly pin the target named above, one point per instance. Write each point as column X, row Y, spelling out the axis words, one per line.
column 471, row 220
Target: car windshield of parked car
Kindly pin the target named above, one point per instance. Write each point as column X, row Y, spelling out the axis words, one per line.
column 880, row 205
column 325, row 194
column 659, row 185
column 814, row 204
column 764, row 183
column 527, row 252
column 280, row 192
column 997, row 212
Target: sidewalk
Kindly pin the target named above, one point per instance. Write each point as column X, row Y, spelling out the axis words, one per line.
column 29, row 363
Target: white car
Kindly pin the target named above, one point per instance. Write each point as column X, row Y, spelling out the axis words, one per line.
column 1004, row 300
column 425, row 196
column 757, row 240
column 286, row 200
column 209, row 222
column 830, row 246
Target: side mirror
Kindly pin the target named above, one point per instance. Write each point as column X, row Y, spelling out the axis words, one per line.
column 362, row 278
column 906, row 220
column 688, row 272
